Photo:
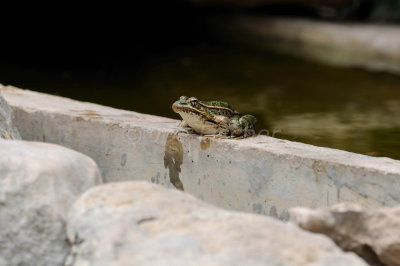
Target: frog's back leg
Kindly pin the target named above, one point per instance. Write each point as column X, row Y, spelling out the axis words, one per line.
column 243, row 126
column 249, row 125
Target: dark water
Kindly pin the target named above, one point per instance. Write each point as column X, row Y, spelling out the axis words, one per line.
column 348, row 109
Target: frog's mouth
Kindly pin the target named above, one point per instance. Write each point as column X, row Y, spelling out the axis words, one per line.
column 179, row 108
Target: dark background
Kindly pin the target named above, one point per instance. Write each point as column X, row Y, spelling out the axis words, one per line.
column 100, row 36
column 111, row 35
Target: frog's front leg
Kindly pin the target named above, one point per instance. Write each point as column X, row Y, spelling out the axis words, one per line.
column 243, row 126
column 184, row 124
column 184, row 127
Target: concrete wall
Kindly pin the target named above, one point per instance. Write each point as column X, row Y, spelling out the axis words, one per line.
column 259, row 174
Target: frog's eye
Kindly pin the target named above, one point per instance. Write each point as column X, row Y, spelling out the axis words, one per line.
column 194, row 102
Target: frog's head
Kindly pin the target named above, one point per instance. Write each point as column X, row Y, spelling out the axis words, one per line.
column 190, row 106
column 194, row 114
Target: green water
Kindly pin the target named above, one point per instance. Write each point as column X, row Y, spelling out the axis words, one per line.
column 349, row 109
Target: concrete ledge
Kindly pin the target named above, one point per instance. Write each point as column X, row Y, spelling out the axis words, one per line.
column 260, row 174
column 375, row 47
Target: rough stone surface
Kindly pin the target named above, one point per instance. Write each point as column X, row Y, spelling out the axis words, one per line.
column 374, row 235
column 374, row 47
column 38, row 184
column 7, row 128
column 138, row 223
column 260, row 174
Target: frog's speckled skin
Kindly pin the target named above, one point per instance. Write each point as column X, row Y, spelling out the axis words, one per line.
column 214, row 118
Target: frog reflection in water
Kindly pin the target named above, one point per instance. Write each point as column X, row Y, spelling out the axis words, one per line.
column 214, row 118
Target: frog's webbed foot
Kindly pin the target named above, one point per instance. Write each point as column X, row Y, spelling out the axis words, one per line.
column 180, row 130
column 184, row 130
column 189, row 130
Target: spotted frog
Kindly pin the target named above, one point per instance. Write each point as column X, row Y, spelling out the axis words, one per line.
column 213, row 118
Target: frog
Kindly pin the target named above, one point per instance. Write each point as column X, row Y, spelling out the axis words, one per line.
column 213, row 118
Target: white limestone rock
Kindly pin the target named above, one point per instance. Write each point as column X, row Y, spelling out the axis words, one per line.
column 38, row 184
column 7, row 128
column 374, row 235
column 384, row 231
column 139, row 223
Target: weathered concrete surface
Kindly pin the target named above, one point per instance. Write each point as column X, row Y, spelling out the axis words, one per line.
column 375, row 47
column 259, row 174
column 7, row 128
column 138, row 223
column 374, row 235
column 38, row 184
